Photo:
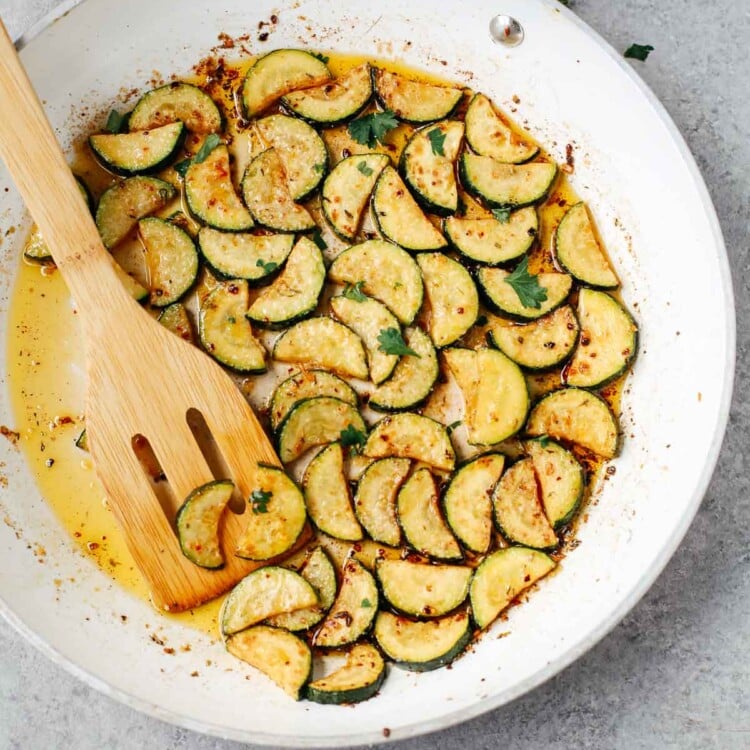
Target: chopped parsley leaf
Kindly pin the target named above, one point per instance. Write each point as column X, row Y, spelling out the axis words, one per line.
column 526, row 285
column 211, row 142
column 259, row 500
column 372, row 129
column 639, row 51
column 115, row 122
column 365, row 604
column 354, row 291
column 392, row 342
column 351, row 437
column 501, row 214
column 437, row 140
column 362, row 167
column 268, row 267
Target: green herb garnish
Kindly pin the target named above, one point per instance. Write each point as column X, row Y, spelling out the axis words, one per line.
column 259, row 500
column 115, row 122
column 319, row 167
column 526, row 285
column 182, row 167
column 354, row 291
column 543, row 440
column 639, row 51
column 351, row 437
column 362, row 167
column 392, row 342
column 501, row 214
column 268, row 267
column 437, row 139
column 211, row 142
column 365, row 604
column 372, row 129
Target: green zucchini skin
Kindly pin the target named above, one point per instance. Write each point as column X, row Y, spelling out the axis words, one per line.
column 359, row 679
column 177, row 101
column 197, row 523
column 608, row 342
column 333, row 103
column 393, row 633
column 105, row 146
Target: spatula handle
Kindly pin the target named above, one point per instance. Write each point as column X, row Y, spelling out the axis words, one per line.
column 35, row 160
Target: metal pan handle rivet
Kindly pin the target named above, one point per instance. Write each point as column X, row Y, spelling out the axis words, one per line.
column 506, row 30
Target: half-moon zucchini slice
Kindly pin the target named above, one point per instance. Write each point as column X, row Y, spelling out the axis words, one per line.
column 171, row 260
column 506, row 185
column 175, row 318
column 307, row 384
column 211, row 196
column 278, row 654
column 467, row 503
column 354, row 610
column 489, row 135
column 414, row 101
column 501, row 577
column 561, row 479
column 388, row 273
column 319, row 572
column 225, row 332
column 266, row 194
column 176, row 102
column 300, row 149
column 452, row 296
column 504, row 299
column 578, row 251
column 275, row 516
column 412, row 436
column 607, row 344
column 198, row 522
column 543, row 343
column 518, row 508
column 323, row 342
column 375, row 499
column 420, row 517
column 239, row 255
column 400, row 218
column 413, row 378
column 423, row 589
column 427, row 164
column 316, row 421
column 121, row 206
column 422, row 646
column 368, row 318
column 141, row 152
column 335, row 101
column 327, row 495
column 356, row 681
column 491, row 242
column 347, row 189
column 278, row 73
column 576, row 416
column 263, row 593
column 294, row 294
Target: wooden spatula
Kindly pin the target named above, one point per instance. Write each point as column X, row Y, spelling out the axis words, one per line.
column 142, row 379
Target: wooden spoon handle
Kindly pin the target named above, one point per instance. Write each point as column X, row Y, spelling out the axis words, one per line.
column 34, row 158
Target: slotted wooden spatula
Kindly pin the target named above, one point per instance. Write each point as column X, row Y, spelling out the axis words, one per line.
column 142, row 379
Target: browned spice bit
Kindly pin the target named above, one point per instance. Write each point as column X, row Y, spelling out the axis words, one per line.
column 194, row 673
column 9, row 434
column 168, row 650
column 274, row 19
column 611, row 470
column 386, row 732
column 516, row 99
column 92, row 546
column 263, row 37
column 123, row 618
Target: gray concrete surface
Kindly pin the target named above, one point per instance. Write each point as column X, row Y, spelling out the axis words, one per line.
column 676, row 672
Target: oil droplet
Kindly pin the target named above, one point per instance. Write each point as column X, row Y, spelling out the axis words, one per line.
column 506, row 30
